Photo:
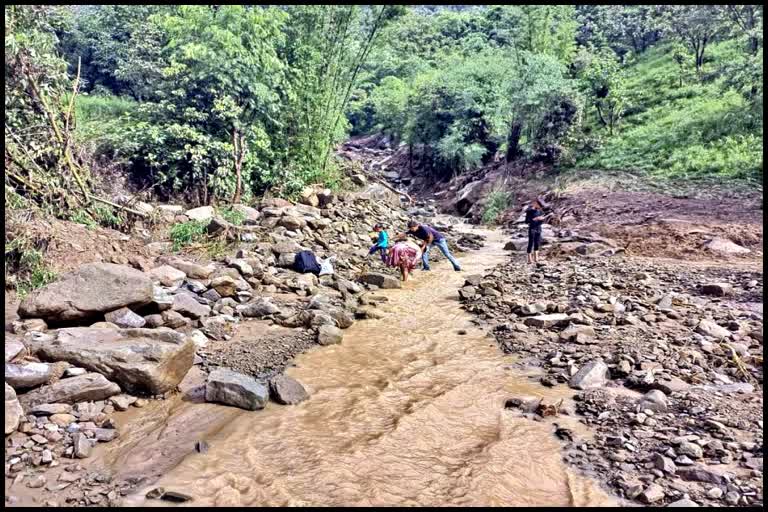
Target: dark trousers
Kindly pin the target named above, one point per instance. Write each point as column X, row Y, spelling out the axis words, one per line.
column 534, row 239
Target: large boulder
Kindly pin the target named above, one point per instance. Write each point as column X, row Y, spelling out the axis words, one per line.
column 259, row 308
column 83, row 388
column 287, row 391
column 141, row 360
column 329, row 335
column 710, row 328
column 592, row 375
column 468, row 196
column 380, row 280
column 187, row 305
column 168, row 276
column 13, row 347
column 232, row 388
column 193, row 270
column 90, row 291
column 725, row 247
column 13, row 410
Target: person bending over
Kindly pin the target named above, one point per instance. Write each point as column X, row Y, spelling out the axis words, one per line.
column 430, row 237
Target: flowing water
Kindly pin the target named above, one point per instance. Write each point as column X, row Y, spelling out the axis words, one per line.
column 405, row 411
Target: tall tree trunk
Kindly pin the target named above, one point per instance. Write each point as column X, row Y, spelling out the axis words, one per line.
column 513, row 141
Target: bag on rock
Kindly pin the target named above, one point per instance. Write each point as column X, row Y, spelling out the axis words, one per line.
column 305, row 261
column 326, row 268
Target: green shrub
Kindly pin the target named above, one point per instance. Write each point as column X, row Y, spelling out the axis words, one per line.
column 233, row 216
column 28, row 264
column 498, row 201
column 187, row 233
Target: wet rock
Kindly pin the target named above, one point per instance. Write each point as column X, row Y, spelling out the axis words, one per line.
column 88, row 292
column 124, row 317
column 140, row 360
column 13, row 410
column 91, row 386
column 717, row 289
column 286, row 390
column 329, row 335
column 710, row 328
column 232, row 388
column 592, row 375
column 167, row 276
column 380, row 280
column 28, row 375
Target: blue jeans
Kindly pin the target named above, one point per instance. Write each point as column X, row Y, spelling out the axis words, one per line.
column 382, row 251
column 443, row 246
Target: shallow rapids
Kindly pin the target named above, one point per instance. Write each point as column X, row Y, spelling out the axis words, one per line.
column 405, row 411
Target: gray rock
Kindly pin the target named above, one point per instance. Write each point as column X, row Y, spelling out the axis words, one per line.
column 122, row 402
column 664, row 463
column 161, row 299
column 225, row 285
column 212, row 295
column 203, row 213
column 380, row 280
column 50, row 409
column 140, row 360
column 174, row 319
column 725, row 247
column 124, row 317
column 287, row 391
column 698, row 473
column 654, row 400
column 232, row 388
column 260, row 308
column 710, row 328
column 82, row 445
column 186, row 305
column 652, row 494
column 592, row 375
column 547, row 321
column 218, row 327
column 13, row 348
column 27, row 375
column 88, row 292
column 683, row 503
column 329, row 335
column 167, row 276
column 13, row 410
column 91, row 386
column 193, row 270
column 152, row 321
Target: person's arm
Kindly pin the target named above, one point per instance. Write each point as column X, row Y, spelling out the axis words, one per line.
column 427, row 242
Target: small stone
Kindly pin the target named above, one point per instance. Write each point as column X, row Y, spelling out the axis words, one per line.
column 690, row 449
column 82, row 446
column 329, row 335
column 652, row 494
column 683, row 503
column 36, row 482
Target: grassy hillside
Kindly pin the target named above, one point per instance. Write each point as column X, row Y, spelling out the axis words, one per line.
column 689, row 131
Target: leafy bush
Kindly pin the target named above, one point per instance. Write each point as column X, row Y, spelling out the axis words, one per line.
column 498, row 201
column 187, row 233
column 27, row 263
column 233, row 216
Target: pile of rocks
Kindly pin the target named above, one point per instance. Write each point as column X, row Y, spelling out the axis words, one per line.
column 669, row 359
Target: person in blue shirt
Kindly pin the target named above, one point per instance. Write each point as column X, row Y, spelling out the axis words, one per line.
column 382, row 242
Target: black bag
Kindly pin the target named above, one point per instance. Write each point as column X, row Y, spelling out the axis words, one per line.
column 305, row 261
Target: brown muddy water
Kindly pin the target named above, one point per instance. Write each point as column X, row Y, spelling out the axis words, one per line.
column 405, row 411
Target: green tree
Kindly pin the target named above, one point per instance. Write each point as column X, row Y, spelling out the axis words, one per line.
column 696, row 26
column 604, row 84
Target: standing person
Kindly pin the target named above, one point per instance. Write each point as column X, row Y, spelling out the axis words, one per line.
column 429, row 237
column 534, row 217
column 382, row 243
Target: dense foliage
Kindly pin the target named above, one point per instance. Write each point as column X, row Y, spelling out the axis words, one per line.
column 221, row 103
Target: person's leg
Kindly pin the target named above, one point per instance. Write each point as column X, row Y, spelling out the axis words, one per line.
column 425, row 258
column 530, row 245
column 536, row 244
column 403, row 275
column 405, row 272
column 443, row 246
column 383, row 253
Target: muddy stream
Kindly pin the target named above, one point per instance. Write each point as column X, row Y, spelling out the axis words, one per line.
column 405, row 411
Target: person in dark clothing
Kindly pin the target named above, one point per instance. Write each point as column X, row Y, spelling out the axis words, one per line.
column 429, row 237
column 534, row 217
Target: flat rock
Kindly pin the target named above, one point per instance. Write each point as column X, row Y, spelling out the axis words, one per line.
column 90, row 291
column 683, row 503
column 257, row 309
column 232, row 388
column 140, row 360
column 13, row 410
column 124, row 317
column 50, row 409
column 193, row 270
column 226, row 286
column 286, row 390
column 380, row 280
column 187, row 305
column 593, row 374
column 167, row 276
column 652, row 494
column 202, row 213
column 91, row 386
column 698, row 473
column 547, row 321
column 725, row 247
column 654, row 400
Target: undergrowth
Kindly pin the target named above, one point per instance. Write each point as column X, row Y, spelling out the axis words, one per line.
column 187, row 233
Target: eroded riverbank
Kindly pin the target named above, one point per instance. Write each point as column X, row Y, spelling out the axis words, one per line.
column 408, row 410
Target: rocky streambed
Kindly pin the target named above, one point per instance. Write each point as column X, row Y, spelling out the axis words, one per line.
column 107, row 338
column 666, row 358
